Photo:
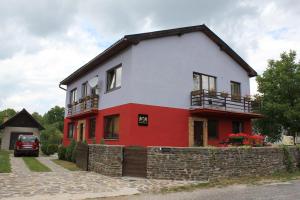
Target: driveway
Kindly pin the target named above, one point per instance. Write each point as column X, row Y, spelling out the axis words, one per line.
column 275, row 191
column 64, row 184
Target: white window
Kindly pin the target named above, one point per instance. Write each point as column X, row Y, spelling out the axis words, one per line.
column 114, row 78
column 204, row 82
column 73, row 95
column 84, row 90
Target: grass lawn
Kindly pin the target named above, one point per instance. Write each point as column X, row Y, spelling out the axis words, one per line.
column 277, row 177
column 66, row 164
column 4, row 162
column 34, row 165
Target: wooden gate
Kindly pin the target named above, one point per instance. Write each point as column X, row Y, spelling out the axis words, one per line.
column 135, row 161
column 82, row 156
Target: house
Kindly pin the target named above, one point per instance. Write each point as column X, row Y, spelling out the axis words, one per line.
column 177, row 87
column 20, row 124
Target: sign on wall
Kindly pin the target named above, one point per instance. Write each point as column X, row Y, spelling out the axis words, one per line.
column 142, row 120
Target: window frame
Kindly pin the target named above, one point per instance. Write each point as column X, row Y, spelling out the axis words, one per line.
column 71, row 100
column 73, row 130
column 114, row 69
column 106, row 135
column 84, row 89
column 208, row 84
column 235, row 97
column 216, row 136
column 241, row 126
column 90, row 136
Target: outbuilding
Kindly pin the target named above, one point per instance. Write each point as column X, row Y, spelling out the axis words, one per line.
column 21, row 124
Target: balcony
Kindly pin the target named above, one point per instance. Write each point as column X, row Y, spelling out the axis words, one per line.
column 222, row 101
column 85, row 106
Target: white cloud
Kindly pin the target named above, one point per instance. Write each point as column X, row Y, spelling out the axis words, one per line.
column 31, row 80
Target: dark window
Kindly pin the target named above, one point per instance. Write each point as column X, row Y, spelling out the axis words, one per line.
column 84, row 90
column 92, row 129
column 73, row 95
column 94, row 90
column 71, row 129
column 113, row 78
column 204, row 82
column 235, row 91
column 111, row 127
column 212, row 129
column 237, row 127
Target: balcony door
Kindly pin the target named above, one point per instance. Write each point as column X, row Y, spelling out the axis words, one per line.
column 204, row 82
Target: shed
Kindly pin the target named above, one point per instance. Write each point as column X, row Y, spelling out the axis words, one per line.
column 20, row 124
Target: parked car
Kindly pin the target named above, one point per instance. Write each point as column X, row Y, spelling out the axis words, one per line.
column 27, row 145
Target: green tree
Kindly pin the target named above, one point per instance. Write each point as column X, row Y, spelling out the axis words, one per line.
column 9, row 112
column 55, row 116
column 279, row 88
column 38, row 117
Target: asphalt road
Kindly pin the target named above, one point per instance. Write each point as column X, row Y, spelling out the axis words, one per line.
column 274, row 191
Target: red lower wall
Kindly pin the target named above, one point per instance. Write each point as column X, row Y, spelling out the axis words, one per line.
column 166, row 127
column 225, row 127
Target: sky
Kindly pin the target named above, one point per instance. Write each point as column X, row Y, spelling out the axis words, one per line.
column 42, row 42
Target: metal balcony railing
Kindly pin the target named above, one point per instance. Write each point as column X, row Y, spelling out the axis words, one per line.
column 86, row 104
column 224, row 101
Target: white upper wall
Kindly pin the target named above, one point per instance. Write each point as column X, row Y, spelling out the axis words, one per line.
column 163, row 69
column 113, row 98
column 160, row 71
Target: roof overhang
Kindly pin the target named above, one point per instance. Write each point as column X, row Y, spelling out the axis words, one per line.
column 129, row 40
column 81, row 115
column 224, row 113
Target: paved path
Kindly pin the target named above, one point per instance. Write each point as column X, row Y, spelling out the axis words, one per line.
column 63, row 184
column 18, row 166
column 275, row 191
column 49, row 163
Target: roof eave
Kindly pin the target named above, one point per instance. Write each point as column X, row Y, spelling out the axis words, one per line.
column 136, row 38
column 100, row 58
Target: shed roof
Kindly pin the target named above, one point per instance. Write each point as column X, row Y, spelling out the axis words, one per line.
column 22, row 119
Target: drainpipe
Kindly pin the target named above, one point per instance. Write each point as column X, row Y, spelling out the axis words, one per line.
column 62, row 87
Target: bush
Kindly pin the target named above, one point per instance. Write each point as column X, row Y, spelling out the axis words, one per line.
column 44, row 148
column 69, row 151
column 61, row 152
column 52, row 148
column 73, row 158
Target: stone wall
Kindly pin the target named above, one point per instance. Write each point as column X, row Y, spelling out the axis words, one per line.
column 106, row 159
column 214, row 163
column 194, row 163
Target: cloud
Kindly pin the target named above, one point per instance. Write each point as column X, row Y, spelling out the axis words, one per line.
column 43, row 41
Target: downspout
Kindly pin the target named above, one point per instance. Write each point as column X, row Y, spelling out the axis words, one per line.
column 62, row 87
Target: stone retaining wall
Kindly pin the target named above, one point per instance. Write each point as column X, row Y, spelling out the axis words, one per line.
column 106, row 159
column 196, row 163
column 214, row 163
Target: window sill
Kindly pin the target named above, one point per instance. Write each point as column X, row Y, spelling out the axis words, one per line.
column 111, row 90
column 111, row 139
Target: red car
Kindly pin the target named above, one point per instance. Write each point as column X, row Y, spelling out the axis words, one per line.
column 27, row 145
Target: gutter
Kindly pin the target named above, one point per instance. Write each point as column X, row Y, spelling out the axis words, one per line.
column 61, row 87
